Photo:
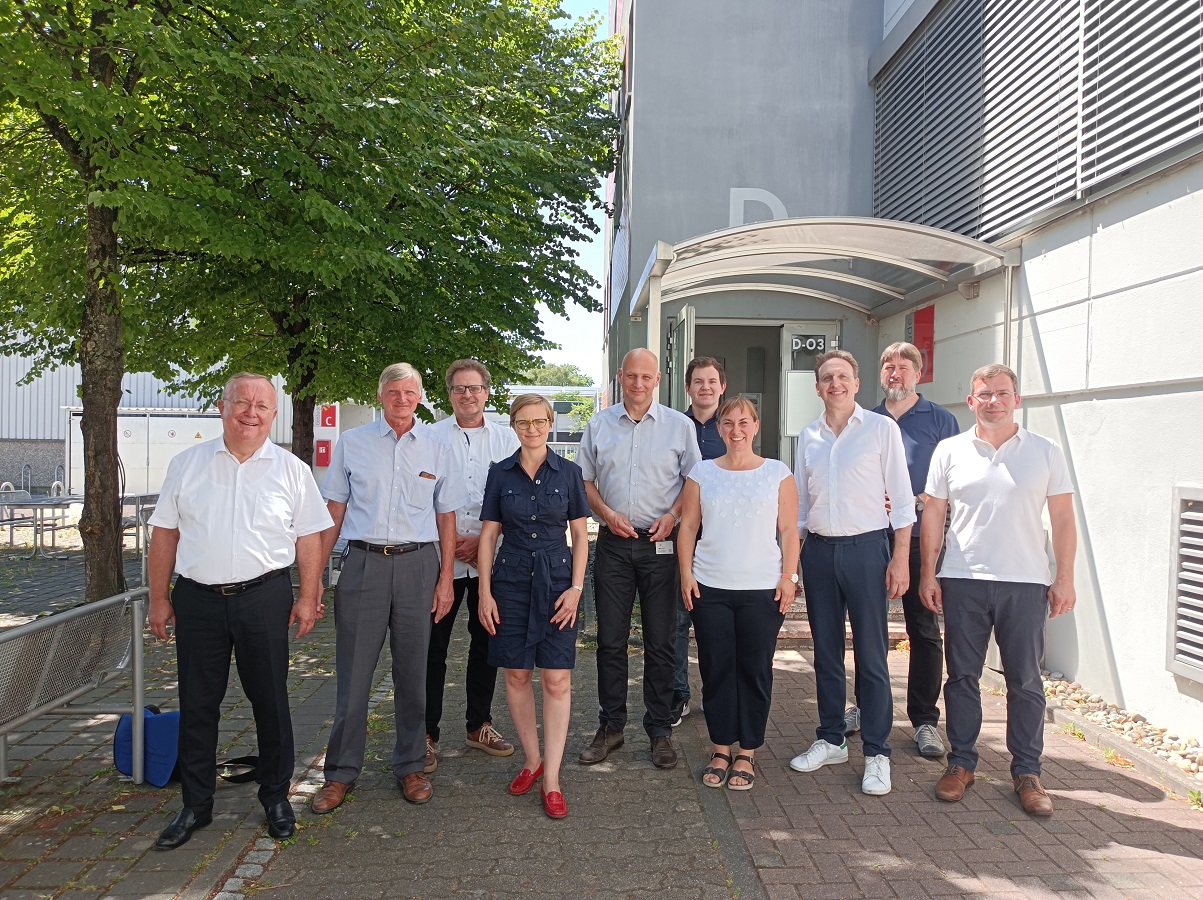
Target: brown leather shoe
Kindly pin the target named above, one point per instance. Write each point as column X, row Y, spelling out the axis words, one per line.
column 1032, row 795
column 432, row 757
column 604, row 743
column 330, row 797
column 489, row 739
column 952, row 783
column 663, row 754
column 415, row 787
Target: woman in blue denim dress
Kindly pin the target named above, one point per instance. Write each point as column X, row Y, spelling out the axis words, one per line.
column 529, row 597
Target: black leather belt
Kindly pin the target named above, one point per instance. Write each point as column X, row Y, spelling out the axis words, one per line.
column 237, row 587
column 389, row 549
column 862, row 538
column 641, row 534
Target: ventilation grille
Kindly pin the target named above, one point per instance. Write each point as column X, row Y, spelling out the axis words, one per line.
column 1185, row 646
column 998, row 110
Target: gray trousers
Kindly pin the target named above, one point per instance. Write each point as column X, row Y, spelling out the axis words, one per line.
column 378, row 594
column 1016, row 612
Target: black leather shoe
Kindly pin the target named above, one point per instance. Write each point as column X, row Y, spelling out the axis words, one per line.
column 178, row 832
column 604, row 743
column 281, row 820
column 663, row 754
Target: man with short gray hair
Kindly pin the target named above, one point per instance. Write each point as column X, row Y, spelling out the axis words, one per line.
column 391, row 491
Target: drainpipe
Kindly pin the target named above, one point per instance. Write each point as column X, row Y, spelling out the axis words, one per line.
column 1011, row 263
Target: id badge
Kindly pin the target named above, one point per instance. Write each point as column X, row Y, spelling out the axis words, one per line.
column 664, row 548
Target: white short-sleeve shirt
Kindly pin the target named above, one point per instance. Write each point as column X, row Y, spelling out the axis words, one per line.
column 997, row 499
column 237, row 521
column 738, row 549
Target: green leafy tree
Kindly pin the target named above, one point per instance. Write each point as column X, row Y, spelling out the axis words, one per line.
column 555, row 375
column 313, row 189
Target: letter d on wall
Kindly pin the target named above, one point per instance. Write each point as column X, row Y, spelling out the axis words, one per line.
column 741, row 197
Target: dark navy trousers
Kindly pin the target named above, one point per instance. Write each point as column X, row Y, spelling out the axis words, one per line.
column 847, row 576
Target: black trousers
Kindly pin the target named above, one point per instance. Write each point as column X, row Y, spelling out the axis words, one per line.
column 926, row 673
column 622, row 567
column 253, row 626
column 736, row 633
column 481, row 678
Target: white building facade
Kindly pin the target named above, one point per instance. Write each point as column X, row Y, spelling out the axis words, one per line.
column 1062, row 142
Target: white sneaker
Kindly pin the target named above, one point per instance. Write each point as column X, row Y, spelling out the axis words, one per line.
column 852, row 720
column 820, row 754
column 877, row 776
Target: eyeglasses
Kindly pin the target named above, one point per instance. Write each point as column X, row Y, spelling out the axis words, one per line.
column 243, row 405
column 538, row 424
column 467, row 388
column 984, row 396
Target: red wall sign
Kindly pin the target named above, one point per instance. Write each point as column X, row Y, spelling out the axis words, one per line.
column 329, row 417
column 921, row 331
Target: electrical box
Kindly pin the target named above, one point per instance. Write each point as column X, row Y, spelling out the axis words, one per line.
column 321, row 454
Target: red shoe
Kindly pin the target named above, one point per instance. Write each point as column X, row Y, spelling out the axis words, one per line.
column 525, row 780
column 554, row 805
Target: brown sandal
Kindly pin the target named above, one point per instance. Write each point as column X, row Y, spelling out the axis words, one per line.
column 749, row 777
column 714, row 770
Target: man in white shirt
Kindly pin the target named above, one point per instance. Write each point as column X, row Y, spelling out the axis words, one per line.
column 848, row 461
column 392, row 492
column 476, row 443
column 634, row 457
column 996, row 576
column 233, row 515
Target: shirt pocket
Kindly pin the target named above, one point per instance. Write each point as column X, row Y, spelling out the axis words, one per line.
column 419, row 494
column 272, row 514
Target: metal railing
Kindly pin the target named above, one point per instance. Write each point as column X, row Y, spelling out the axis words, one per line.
column 47, row 664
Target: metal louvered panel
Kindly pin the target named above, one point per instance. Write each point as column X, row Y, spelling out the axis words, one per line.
column 998, row 110
column 1184, row 650
column 1142, row 82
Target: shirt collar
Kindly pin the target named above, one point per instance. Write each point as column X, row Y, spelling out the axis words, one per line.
column 513, row 461
column 652, row 412
column 1017, row 437
column 267, row 450
column 923, row 405
column 699, row 422
column 383, row 428
column 858, row 415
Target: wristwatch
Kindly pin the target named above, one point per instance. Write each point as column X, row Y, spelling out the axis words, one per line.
column 792, row 576
column 577, row 587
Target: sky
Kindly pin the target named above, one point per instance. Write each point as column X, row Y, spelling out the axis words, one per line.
column 580, row 334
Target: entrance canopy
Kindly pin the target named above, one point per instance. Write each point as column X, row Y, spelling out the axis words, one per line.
column 878, row 267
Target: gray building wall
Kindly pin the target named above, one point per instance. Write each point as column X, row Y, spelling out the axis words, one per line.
column 758, row 95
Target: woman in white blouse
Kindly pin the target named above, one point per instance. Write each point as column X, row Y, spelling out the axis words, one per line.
column 737, row 584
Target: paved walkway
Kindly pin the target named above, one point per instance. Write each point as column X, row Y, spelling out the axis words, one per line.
column 70, row 828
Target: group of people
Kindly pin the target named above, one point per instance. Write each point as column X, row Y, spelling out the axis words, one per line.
column 692, row 521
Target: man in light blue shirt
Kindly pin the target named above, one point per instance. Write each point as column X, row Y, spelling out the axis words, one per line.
column 634, row 457
column 391, row 489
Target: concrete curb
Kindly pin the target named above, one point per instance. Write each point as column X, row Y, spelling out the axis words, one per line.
column 1170, row 778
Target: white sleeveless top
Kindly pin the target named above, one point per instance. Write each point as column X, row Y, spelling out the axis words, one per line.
column 738, row 549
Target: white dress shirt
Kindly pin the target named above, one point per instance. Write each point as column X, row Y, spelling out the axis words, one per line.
column 237, row 521
column 997, row 498
column 392, row 487
column 843, row 479
column 639, row 467
column 474, row 450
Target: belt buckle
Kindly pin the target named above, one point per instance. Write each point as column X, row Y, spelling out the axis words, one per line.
column 227, row 590
column 388, row 550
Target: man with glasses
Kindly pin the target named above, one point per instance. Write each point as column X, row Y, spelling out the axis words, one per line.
column 924, row 424
column 995, row 576
column 391, row 490
column 634, row 457
column 476, row 443
column 848, row 461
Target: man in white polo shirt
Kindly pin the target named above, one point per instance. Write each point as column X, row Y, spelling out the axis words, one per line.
column 233, row 515
column 996, row 577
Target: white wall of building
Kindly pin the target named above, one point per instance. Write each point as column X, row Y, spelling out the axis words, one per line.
column 1109, row 306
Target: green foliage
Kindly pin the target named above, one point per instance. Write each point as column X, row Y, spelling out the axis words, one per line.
column 555, row 375
column 314, row 189
column 582, row 407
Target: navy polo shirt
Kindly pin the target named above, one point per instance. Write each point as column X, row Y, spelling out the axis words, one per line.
column 709, row 442
column 923, row 426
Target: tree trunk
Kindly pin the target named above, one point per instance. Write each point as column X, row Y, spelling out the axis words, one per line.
column 101, row 363
column 302, row 425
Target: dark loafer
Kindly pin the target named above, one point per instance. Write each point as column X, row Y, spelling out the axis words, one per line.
column 415, row 787
column 604, row 743
column 281, row 820
column 179, row 831
column 663, row 754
